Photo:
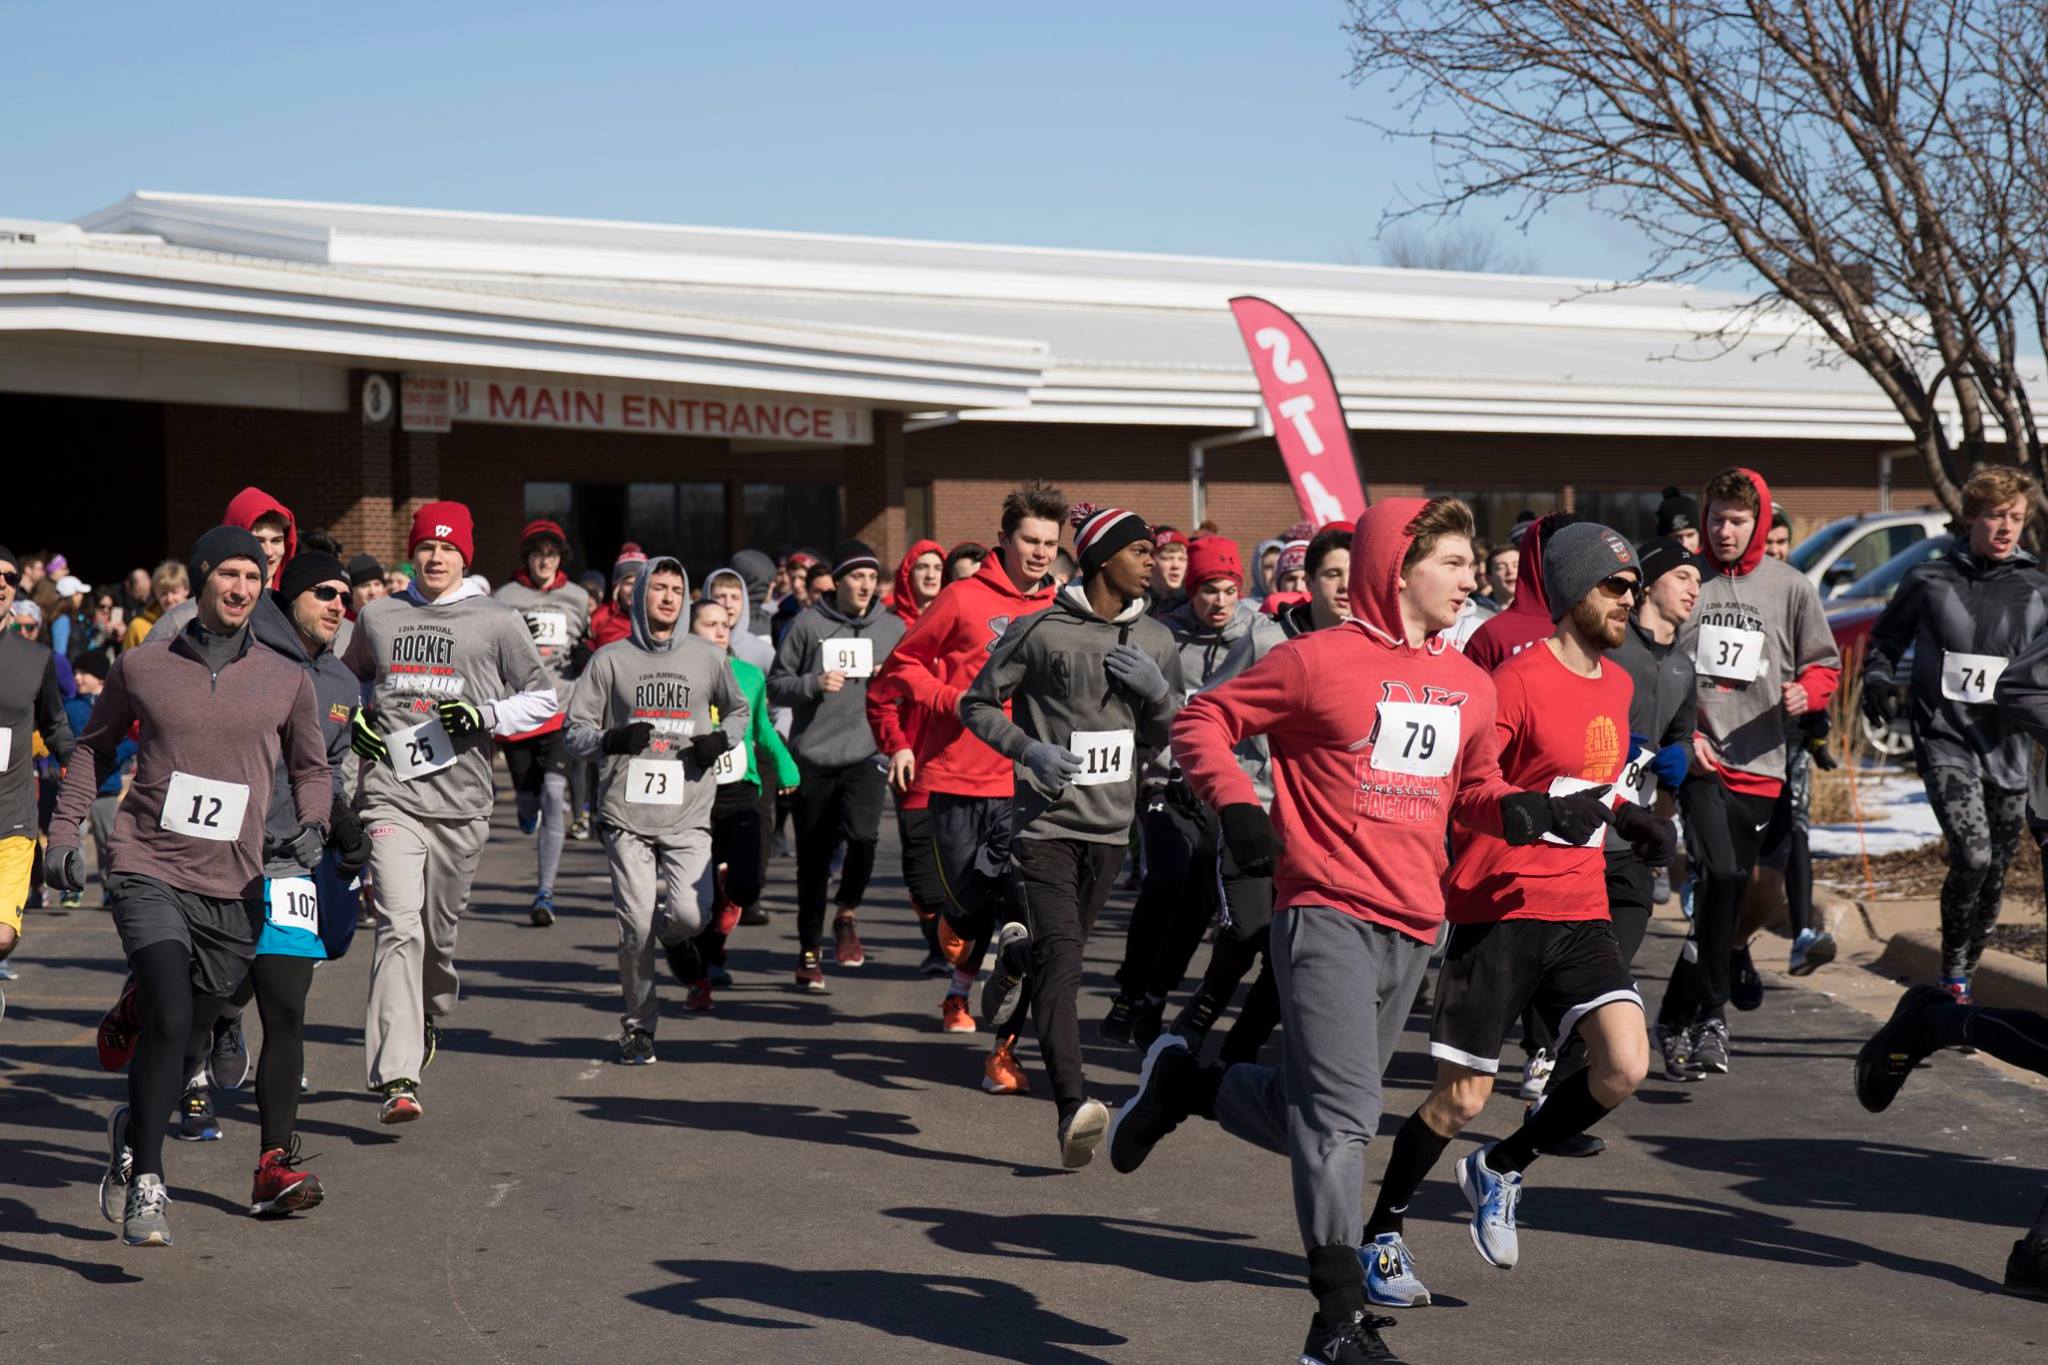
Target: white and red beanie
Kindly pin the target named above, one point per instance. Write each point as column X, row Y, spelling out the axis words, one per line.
column 1099, row 532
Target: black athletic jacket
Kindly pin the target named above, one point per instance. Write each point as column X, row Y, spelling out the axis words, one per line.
column 1964, row 605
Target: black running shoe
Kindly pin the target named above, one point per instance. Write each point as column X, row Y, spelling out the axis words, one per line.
column 1156, row 1107
column 1355, row 1342
column 1003, row 989
column 1709, row 1045
column 1889, row 1057
column 1116, row 1025
column 1745, row 986
column 195, row 1117
column 2026, row 1270
column 1197, row 1018
column 433, row 1045
column 1148, row 1021
column 685, row 961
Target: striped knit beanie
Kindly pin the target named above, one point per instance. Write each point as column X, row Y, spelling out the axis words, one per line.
column 1099, row 532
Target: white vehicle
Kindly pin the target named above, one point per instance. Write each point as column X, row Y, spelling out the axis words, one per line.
column 1843, row 551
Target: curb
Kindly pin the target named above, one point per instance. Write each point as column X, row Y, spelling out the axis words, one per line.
column 2003, row 980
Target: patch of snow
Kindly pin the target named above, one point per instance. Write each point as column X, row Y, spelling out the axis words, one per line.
column 1897, row 817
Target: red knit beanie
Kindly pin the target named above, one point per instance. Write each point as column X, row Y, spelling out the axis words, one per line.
column 1214, row 557
column 449, row 521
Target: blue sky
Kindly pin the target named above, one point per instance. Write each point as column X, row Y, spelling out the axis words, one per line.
column 1209, row 128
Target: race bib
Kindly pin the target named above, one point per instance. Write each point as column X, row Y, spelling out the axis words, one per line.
column 654, row 782
column 1730, row 654
column 420, row 751
column 6, row 746
column 853, row 655
column 1638, row 781
column 200, row 808
column 1417, row 738
column 1565, row 786
column 292, row 903
column 1105, row 756
column 729, row 768
column 550, row 629
column 1970, row 678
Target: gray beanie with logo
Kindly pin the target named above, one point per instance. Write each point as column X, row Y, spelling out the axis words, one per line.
column 1578, row 558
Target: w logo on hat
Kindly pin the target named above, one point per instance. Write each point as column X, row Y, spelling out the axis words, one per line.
column 441, row 530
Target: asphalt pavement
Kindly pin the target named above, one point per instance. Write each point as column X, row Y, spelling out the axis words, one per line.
column 810, row 1179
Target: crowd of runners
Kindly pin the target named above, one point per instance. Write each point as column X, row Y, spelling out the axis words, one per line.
column 1385, row 763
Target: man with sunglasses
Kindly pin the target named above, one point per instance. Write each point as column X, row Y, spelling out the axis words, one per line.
column 31, row 703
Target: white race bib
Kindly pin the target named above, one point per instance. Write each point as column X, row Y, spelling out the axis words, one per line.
column 1970, row 678
column 654, row 782
column 6, row 747
column 1638, row 781
column 420, row 751
column 1730, row 654
column 550, row 629
column 1565, row 786
column 729, row 768
column 1105, row 756
column 853, row 655
column 292, row 903
column 200, row 808
column 1417, row 738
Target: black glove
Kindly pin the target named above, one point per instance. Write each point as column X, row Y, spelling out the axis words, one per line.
column 302, row 847
column 579, row 655
column 631, row 738
column 1653, row 838
column 64, row 868
column 350, row 841
column 1880, row 699
column 706, row 748
column 459, row 717
column 1526, row 817
column 364, row 739
column 1248, row 834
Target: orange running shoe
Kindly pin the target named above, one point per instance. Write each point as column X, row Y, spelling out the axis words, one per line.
column 1000, row 1074
column 954, row 1016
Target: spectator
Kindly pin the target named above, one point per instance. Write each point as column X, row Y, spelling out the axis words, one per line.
column 964, row 560
column 91, row 673
column 365, row 583
column 106, row 622
column 397, row 578
column 66, row 621
column 168, row 587
column 134, row 595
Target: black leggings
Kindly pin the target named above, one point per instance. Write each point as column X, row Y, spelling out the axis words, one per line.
column 735, row 846
column 2017, row 1037
column 281, row 986
column 834, row 807
column 1724, row 833
column 172, row 1015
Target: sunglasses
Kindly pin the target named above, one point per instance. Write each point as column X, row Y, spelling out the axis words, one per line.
column 11, row 579
column 325, row 592
column 1620, row 585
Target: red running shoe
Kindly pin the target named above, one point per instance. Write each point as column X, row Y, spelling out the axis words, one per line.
column 700, row 997
column 118, row 1027
column 954, row 1016
column 846, row 949
column 728, row 919
column 281, row 1188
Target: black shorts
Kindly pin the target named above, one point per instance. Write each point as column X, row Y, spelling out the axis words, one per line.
column 972, row 836
column 1493, row 972
column 531, row 760
column 920, row 858
column 220, row 934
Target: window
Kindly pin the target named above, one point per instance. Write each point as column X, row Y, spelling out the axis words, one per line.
column 1875, row 547
column 779, row 517
column 1630, row 512
column 1496, row 510
column 917, row 511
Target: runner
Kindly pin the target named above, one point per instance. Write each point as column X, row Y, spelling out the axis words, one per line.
column 1378, row 731
column 1531, row 925
column 919, row 579
column 1170, row 587
column 1678, row 518
column 448, row 668
column 1526, row 618
column 969, row 785
column 557, row 612
column 31, row 704
column 964, row 560
column 645, row 706
column 275, row 529
column 1503, row 565
column 739, row 848
column 365, row 583
column 821, row 672
column 1329, row 584
column 1965, row 616
column 741, row 590
column 1762, row 652
column 1092, row 683
column 217, row 716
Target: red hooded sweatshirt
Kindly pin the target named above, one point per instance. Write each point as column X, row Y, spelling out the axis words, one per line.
column 252, row 503
column 1527, row 618
column 896, row 724
column 937, row 661
column 1366, row 773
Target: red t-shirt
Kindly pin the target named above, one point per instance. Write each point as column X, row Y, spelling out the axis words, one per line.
column 1552, row 723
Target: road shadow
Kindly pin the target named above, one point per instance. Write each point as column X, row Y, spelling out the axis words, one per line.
column 957, row 1312
column 18, row 1220
column 1860, row 1177
column 1164, row 1250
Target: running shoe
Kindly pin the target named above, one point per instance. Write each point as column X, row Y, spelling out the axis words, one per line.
column 1958, row 988
column 1676, row 1047
column 579, row 828
column 728, row 919
column 118, row 1028
column 1390, row 1279
column 529, row 823
column 636, row 1048
column 1157, row 1107
column 228, row 1062
column 718, row 976
column 754, row 915
column 1685, row 899
column 1579, row 1145
column 305, row 1086
column 1536, row 1073
column 810, row 971
column 1885, row 1061
column 1081, row 1132
column 281, row 1188
column 1197, row 1017
column 685, row 960
column 2026, row 1269
column 401, row 1103
column 1002, row 991
column 8, row 973
column 846, row 947
column 543, row 912
column 195, row 1117
column 120, row 1166
column 433, row 1045
column 1710, row 1047
column 935, row 964
column 1148, row 1021
column 1493, row 1197
column 699, row 1001
column 1745, row 984
column 954, row 1016
column 142, row 1217
column 71, row 900
column 1355, row 1343
column 1000, row 1074
column 1116, row 1025
column 1812, row 950
column 1660, row 886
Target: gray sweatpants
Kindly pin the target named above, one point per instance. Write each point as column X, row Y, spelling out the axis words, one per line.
column 1345, row 990
column 422, row 870
column 687, row 880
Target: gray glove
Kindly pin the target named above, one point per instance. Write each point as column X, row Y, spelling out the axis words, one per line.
column 64, row 868
column 1052, row 766
column 1134, row 669
column 304, row 847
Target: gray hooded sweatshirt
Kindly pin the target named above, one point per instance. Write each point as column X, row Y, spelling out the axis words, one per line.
column 335, row 694
column 830, row 729
column 1209, row 656
column 1050, row 668
column 674, row 684
column 757, row 573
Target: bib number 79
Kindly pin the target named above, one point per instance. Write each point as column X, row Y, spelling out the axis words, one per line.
column 1420, row 743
